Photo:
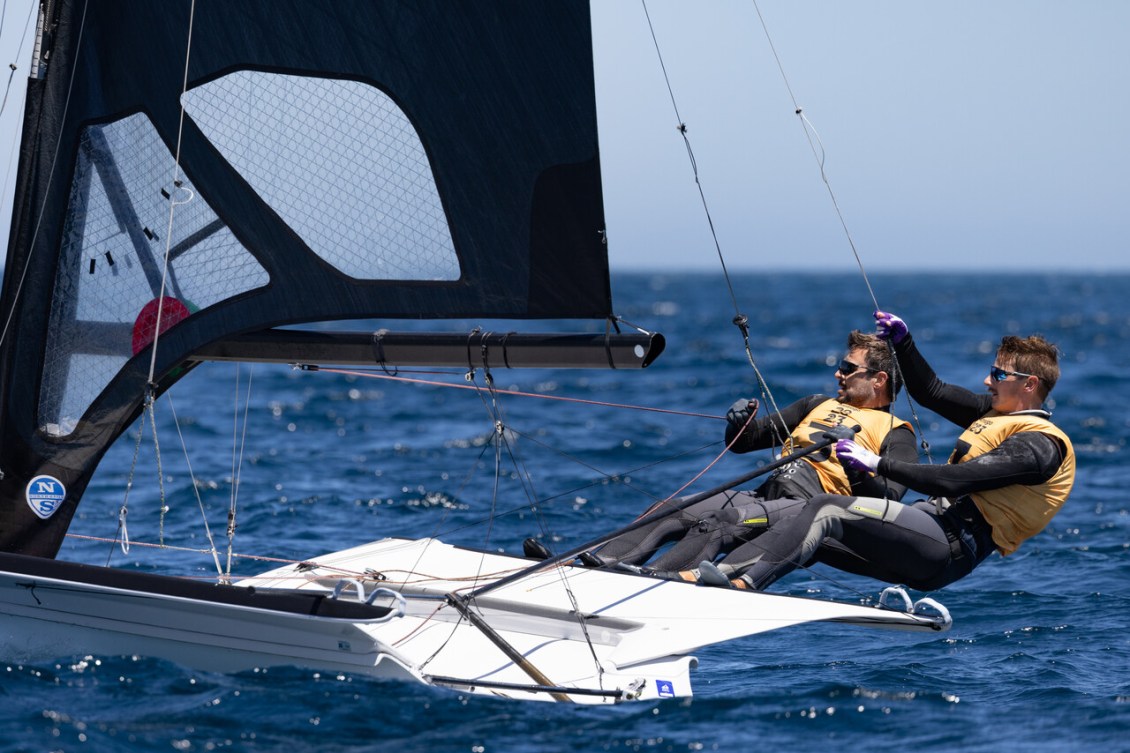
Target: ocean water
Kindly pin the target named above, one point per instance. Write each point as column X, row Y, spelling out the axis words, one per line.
column 1038, row 658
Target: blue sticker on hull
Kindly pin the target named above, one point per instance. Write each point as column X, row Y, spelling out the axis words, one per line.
column 665, row 688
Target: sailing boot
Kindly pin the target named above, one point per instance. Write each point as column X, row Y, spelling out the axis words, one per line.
column 588, row 559
column 710, row 575
column 686, row 576
column 535, row 550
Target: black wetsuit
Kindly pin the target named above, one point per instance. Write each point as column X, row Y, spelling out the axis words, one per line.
column 724, row 521
column 917, row 545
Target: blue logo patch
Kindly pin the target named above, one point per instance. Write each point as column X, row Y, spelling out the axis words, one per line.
column 44, row 495
column 665, row 688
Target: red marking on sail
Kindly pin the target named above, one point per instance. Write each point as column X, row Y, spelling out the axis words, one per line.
column 145, row 326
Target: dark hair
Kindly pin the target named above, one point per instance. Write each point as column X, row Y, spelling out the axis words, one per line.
column 879, row 357
column 1032, row 355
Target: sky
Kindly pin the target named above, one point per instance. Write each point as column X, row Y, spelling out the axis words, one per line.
column 966, row 135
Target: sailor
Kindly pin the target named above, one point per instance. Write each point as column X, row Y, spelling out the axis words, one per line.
column 1010, row 473
column 724, row 521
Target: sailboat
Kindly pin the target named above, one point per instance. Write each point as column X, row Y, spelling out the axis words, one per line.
column 198, row 178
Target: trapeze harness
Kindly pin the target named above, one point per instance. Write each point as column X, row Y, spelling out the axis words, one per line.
column 734, row 516
column 874, row 425
column 977, row 523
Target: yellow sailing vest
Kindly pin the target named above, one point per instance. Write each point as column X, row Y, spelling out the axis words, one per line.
column 1016, row 512
column 875, row 425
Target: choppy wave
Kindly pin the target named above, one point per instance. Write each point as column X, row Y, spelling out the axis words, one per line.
column 1038, row 659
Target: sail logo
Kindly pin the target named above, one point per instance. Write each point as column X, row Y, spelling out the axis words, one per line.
column 665, row 688
column 45, row 495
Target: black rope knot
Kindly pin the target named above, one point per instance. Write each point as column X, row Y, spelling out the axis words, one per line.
column 742, row 323
column 379, row 352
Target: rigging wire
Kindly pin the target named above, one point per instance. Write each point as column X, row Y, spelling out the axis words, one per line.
column 173, row 199
column 414, row 570
column 498, row 440
column 817, row 147
column 497, row 424
column 7, row 91
column 682, row 128
column 818, row 151
column 178, row 196
column 489, row 396
column 531, row 438
column 152, row 411
column 530, row 493
column 239, row 442
column 495, row 409
column 435, row 383
column 740, row 319
column 196, row 491
column 121, row 536
column 50, row 179
column 13, row 66
column 820, row 154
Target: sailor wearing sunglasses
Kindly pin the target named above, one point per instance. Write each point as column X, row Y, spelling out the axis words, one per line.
column 721, row 522
column 1010, row 472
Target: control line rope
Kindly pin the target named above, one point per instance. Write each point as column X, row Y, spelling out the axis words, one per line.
column 519, row 393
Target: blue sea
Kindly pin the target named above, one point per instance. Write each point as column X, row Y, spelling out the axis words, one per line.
column 1038, row 658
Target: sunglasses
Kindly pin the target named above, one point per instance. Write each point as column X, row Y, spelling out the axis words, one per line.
column 999, row 375
column 847, row 368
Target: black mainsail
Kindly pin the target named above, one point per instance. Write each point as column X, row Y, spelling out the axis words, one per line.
column 335, row 160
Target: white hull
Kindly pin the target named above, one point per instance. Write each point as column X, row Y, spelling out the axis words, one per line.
column 635, row 641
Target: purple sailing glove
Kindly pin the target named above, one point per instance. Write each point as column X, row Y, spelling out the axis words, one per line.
column 890, row 327
column 741, row 412
column 854, row 456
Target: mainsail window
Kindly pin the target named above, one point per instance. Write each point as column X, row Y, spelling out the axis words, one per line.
column 340, row 163
column 112, row 262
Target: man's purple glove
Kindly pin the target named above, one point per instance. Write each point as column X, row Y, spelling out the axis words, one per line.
column 854, row 456
column 741, row 412
column 890, row 327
